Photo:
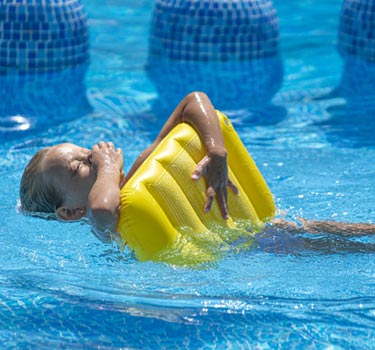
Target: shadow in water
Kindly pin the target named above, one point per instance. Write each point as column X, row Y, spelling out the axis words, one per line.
column 353, row 123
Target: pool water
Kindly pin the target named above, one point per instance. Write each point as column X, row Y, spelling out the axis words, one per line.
column 61, row 288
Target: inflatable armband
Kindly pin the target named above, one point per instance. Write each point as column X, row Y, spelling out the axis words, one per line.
column 162, row 216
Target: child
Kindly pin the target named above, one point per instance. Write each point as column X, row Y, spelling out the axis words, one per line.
column 74, row 182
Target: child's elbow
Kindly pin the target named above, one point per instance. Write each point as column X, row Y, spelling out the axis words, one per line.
column 196, row 96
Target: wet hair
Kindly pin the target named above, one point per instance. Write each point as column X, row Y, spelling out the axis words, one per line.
column 37, row 193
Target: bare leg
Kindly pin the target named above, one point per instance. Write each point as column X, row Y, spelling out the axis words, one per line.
column 315, row 226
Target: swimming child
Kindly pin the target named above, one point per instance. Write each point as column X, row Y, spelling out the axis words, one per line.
column 72, row 182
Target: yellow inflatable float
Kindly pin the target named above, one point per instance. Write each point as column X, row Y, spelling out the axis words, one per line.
column 162, row 216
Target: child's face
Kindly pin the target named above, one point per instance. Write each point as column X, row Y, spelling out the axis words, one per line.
column 68, row 168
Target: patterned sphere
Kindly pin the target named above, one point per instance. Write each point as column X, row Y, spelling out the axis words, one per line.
column 214, row 30
column 41, row 36
column 357, row 29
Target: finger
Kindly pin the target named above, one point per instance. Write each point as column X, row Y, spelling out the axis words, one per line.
column 110, row 145
column 222, row 198
column 200, row 168
column 197, row 173
column 232, row 186
column 119, row 151
column 210, row 195
column 101, row 144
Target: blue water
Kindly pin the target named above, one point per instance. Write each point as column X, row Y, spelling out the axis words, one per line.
column 61, row 288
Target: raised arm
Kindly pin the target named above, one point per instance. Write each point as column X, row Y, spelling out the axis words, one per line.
column 104, row 198
column 197, row 110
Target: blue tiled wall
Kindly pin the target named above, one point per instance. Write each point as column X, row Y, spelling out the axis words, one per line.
column 214, row 30
column 42, row 35
column 357, row 29
column 356, row 45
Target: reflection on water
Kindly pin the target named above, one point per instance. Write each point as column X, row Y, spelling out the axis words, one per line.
column 44, row 52
column 33, row 102
column 353, row 124
column 230, row 84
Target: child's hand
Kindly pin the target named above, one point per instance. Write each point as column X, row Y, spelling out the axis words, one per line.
column 107, row 159
column 104, row 197
column 215, row 170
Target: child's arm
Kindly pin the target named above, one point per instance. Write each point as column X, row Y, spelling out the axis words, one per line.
column 196, row 109
column 104, row 198
column 331, row 227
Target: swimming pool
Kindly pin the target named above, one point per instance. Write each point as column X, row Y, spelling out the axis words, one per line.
column 61, row 288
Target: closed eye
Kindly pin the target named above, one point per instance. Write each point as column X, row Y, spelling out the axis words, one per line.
column 76, row 168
